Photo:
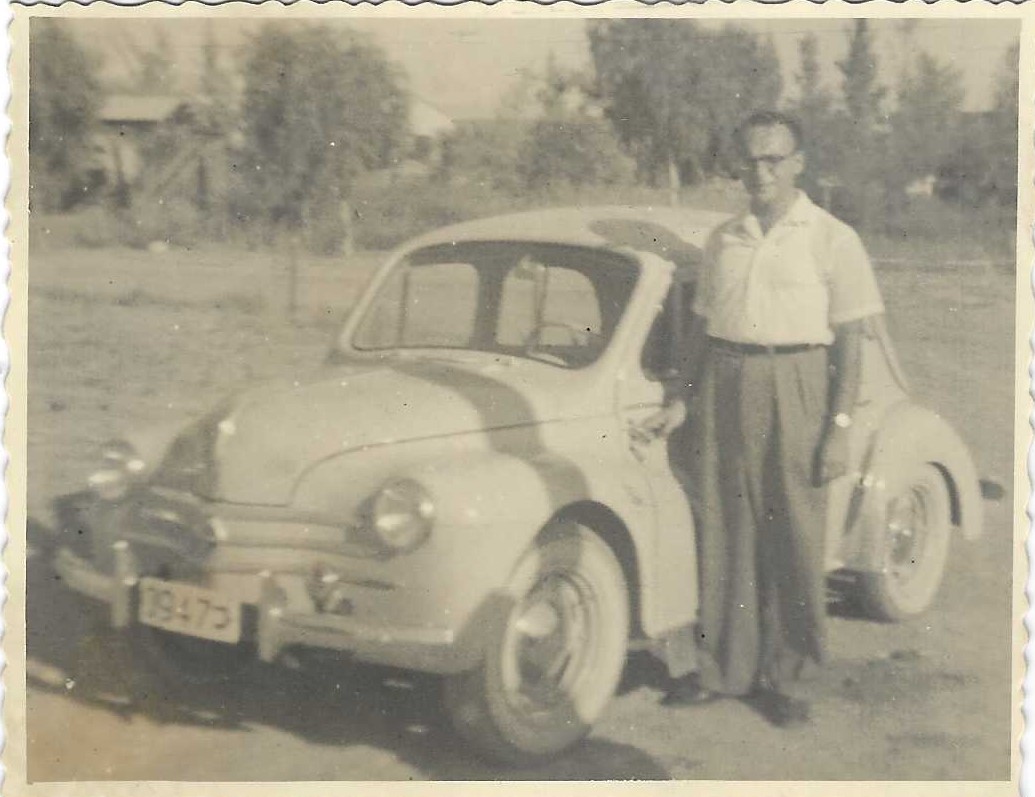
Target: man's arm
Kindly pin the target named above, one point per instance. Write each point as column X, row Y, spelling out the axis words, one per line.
column 692, row 350
column 691, row 357
column 854, row 300
column 696, row 344
column 846, row 367
column 846, row 363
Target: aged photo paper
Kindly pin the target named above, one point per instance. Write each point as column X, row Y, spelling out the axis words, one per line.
column 545, row 399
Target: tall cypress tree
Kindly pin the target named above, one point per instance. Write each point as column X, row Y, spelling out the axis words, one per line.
column 863, row 135
column 64, row 99
column 815, row 110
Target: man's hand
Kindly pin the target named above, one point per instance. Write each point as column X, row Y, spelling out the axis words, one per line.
column 659, row 425
column 832, row 461
column 846, row 360
column 665, row 421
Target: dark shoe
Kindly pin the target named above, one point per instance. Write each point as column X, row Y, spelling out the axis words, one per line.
column 688, row 692
column 781, row 709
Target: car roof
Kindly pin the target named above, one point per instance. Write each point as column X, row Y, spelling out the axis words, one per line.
column 676, row 234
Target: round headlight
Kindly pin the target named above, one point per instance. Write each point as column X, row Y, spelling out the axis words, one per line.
column 121, row 467
column 403, row 515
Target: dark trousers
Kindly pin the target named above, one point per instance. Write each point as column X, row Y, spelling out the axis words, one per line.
column 755, row 430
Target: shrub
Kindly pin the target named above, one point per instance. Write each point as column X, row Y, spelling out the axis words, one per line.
column 318, row 108
column 389, row 214
column 95, row 227
column 89, row 228
column 576, row 152
column 485, row 153
column 65, row 96
column 174, row 222
column 928, row 229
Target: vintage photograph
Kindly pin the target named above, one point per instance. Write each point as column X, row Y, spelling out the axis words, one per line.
column 551, row 397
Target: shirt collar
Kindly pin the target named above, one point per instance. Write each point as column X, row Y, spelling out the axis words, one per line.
column 799, row 214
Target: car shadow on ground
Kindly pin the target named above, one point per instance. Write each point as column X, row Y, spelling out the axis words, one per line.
column 73, row 653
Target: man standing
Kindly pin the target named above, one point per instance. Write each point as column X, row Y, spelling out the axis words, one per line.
column 774, row 362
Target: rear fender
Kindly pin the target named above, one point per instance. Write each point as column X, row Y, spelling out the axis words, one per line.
column 908, row 436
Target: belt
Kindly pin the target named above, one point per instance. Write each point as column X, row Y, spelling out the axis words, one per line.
column 761, row 348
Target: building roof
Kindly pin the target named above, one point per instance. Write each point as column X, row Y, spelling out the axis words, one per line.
column 427, row 120
column 139, row 108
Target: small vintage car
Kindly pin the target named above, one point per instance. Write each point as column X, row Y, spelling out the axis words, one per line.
column 464, row 489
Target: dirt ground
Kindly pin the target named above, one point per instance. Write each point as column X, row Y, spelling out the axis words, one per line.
column 120, row 338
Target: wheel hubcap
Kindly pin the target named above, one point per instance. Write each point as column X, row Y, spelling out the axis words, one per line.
column 547, row 644
column 908, row 523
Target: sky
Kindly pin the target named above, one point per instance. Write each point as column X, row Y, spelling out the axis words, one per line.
column 464, row 67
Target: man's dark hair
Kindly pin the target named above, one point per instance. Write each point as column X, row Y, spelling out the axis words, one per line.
column 769, row 119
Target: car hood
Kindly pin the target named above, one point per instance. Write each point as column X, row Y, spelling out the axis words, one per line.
column 268, row 437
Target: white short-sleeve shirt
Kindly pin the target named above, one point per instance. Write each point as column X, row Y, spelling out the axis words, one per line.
column 791, row 285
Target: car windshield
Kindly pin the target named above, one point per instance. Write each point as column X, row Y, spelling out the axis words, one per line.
column 547, row 302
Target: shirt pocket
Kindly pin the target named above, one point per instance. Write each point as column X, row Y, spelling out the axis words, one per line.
column 796, row 271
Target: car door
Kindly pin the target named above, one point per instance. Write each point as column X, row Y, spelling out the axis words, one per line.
column 644, row 390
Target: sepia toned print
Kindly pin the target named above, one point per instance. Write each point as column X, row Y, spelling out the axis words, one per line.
column 470, row 397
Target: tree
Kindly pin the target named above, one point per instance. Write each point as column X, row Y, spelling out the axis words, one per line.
column 813, row 99
column 156, row 66
column 674, row 91
column 863, row 96
column 522, row 99
column 862, row 134
column 925, row 118
column 572, row 150
column 1001, row 142
column 318, row 109
column 216, row 100
column 484, row 152
column 156, row 74
column 64, row 99
column 815, row 111
column 570, row 143
column 1009, row 82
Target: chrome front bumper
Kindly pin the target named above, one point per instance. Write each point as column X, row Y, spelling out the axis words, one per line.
column 437, row 650
column 117, row 590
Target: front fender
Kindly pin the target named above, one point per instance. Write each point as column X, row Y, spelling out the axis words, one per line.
column 494, row 494
column 908, row 435
column 518, row 496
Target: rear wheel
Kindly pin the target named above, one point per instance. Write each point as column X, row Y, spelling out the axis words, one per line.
column 915, row 547
column 555, row 659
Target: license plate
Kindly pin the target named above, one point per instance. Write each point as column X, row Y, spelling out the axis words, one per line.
column 190, row 610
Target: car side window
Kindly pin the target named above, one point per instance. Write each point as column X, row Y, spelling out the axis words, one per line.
column 424, row 305
column 548, row 306
column 552, row 303
column 573, row 300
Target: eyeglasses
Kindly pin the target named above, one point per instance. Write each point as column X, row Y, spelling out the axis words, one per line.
column 769, row 161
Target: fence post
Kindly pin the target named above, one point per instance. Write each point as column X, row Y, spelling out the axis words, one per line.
column 293, row 276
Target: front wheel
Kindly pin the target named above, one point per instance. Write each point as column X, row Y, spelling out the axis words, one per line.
column 555, row 659
column 915, row 547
